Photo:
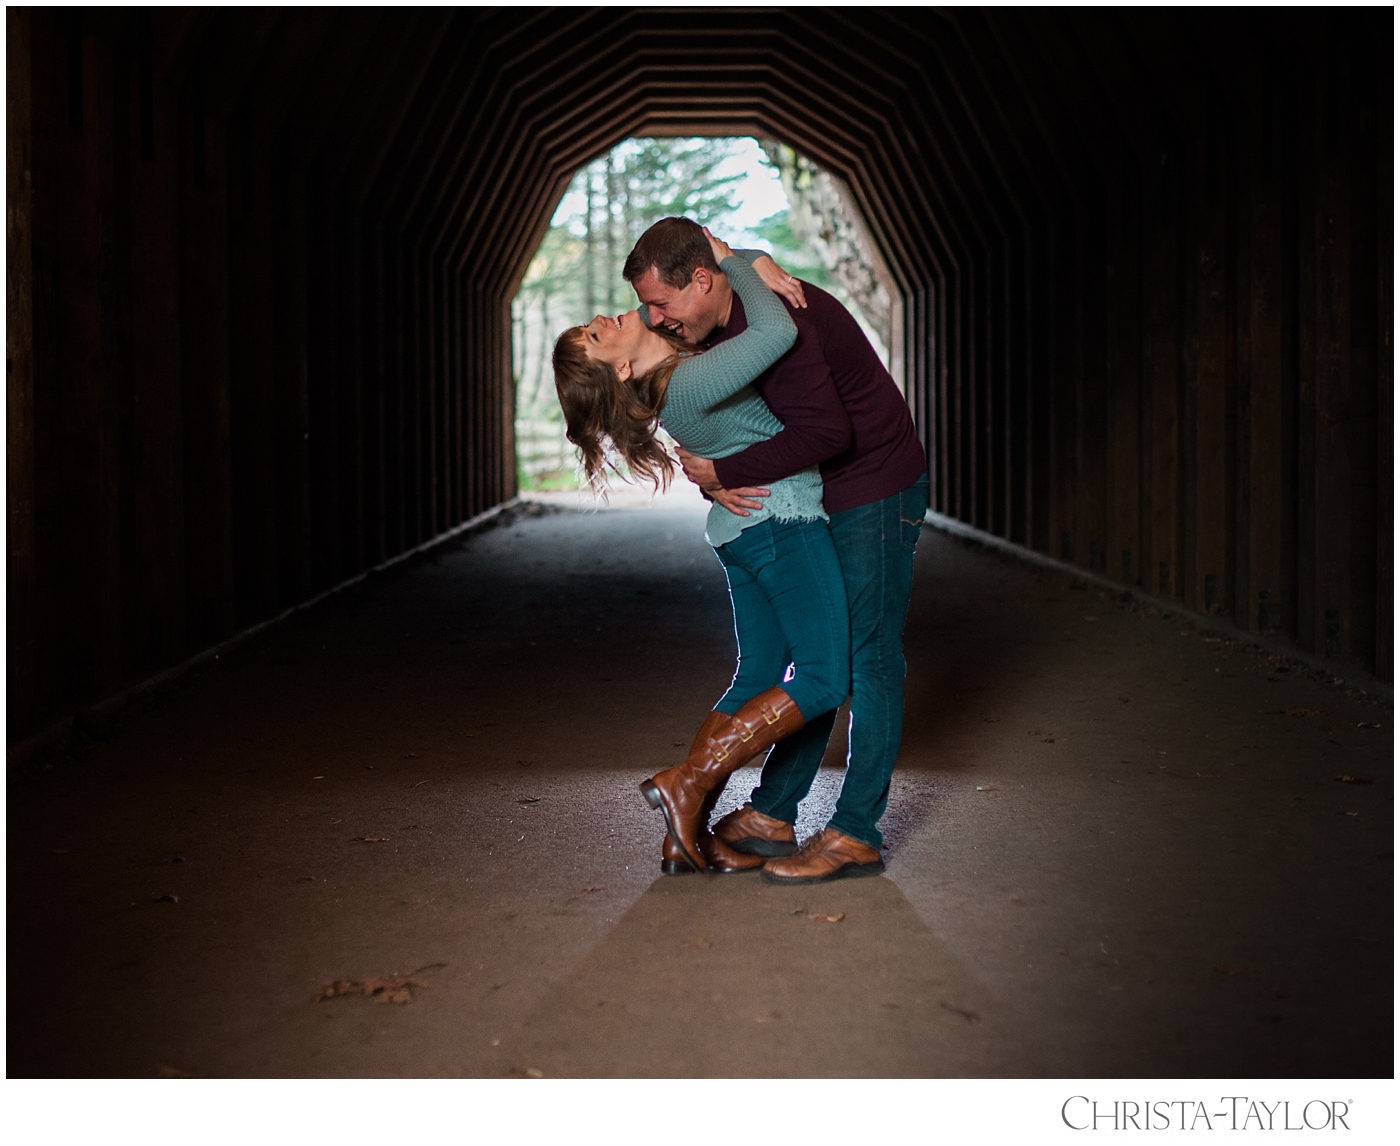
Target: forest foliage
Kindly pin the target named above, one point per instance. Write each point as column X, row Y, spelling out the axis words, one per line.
column 577, row 271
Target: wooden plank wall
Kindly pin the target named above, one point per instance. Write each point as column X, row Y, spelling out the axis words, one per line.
column 260, row 263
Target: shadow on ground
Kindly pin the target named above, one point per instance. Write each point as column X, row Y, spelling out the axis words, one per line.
column 730, row 976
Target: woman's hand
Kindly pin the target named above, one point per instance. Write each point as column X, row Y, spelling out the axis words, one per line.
column 718, row 247
column 777, row 280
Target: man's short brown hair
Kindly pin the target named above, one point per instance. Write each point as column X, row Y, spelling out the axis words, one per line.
column 675, row 247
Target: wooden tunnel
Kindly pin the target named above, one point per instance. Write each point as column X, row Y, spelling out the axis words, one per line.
column 260, row 264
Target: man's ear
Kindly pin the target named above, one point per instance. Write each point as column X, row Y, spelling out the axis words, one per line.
column 703, row 280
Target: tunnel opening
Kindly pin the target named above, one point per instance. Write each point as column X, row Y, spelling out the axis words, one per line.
column 757, row 193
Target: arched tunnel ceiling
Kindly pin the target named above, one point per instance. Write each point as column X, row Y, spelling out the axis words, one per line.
column 259, row 326
column 853, row 89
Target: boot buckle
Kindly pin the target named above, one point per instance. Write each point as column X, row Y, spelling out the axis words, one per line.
column 746, row 733
column 770, row 716
column 720, row 753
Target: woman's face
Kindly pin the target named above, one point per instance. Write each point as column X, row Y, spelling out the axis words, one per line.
column 618, row 341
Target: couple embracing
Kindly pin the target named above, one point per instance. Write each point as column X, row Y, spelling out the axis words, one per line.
column 794, row 429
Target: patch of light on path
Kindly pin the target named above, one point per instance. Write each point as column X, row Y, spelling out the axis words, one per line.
column 682, row 497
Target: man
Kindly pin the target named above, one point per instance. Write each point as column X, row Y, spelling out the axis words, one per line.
column 840, row 409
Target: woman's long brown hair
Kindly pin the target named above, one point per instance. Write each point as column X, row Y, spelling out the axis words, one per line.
column 610, row 420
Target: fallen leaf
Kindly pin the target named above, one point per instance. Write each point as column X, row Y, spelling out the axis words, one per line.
column 986, row 788
column 529, row 799
column 1367, row 724
column 588, row 889
column 1122, row 700
column 370, row 840
column 318, row 777
column 703, row 944
column 382, row 988
column 1352, row 780
column 970, row 1016
column 534, row 1072
column 820, row 918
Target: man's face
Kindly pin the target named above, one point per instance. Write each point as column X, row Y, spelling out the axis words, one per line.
column 691, row 311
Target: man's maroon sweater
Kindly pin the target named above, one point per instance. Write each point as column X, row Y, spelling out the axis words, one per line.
column 839, row 408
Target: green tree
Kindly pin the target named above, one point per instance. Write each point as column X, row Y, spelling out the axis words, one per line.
column 578, row 268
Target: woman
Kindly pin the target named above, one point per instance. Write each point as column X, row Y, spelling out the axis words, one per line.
column 617, row 379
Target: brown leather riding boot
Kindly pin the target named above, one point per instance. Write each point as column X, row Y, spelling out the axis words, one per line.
column 749, row 830
column 719, row 857
column 725, row 744
column 673, row 860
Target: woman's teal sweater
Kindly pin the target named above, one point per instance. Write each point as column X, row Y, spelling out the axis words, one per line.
column 712, row 410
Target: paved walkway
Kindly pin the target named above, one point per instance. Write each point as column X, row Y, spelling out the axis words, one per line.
column 1117, row 846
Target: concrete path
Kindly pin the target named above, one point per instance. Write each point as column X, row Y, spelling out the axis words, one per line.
column 1117, row 847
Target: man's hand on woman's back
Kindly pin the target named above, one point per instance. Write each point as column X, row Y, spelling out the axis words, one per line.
column 701, row 471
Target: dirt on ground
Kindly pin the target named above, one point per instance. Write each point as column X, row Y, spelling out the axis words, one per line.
column 400, row 835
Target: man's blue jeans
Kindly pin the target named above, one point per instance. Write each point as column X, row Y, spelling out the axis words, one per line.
column 789, row 600
column 875, row 544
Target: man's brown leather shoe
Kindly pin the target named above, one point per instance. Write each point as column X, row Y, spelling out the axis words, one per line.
column 827, row 855
column 748, row 830
column 723, row 745
column 719, row 858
